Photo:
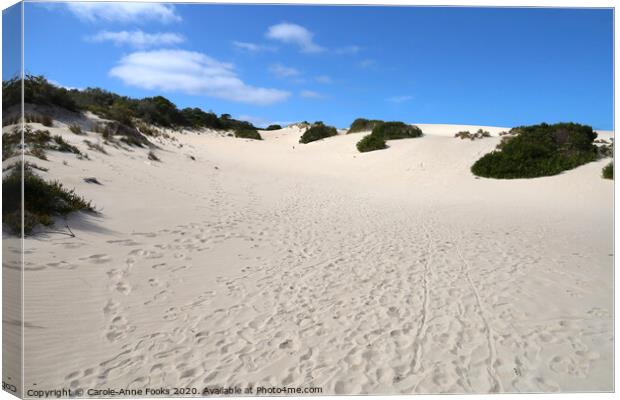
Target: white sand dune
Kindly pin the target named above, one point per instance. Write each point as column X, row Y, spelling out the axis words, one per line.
column 277, row 263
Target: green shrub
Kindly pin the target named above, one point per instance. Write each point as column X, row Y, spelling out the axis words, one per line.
column 75, row 128
column 95, row 146
column 37, row 142
column 148, row 130
column 396, row 130
column 129, row 135
column 38, row 153
column 10, row 142
column 539, row 150
column 363, row 125
column 608, row 171
column 273, row 127
column 10, row 120
column 121, row 112
column 479, row 134
column 248, row 134
column 46, row 120
column 42, row 119
column 42, row 201
column 37, row 90
column 371, row 143
column 605, row 150
column 60, row 145
column 318, row 132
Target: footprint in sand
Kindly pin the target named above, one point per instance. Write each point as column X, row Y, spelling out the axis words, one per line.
column 97, row 258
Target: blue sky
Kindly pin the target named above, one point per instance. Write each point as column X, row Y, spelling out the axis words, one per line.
column 490, row 66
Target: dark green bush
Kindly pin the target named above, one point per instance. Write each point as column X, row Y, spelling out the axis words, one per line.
column 371, row 143
column 37, row 90
column 248, row 134
column 273, row 127
column 363, row 125
column 42, row 201
column 396, row 130
column 318, row 132
column 539, row 150
column 608, row 171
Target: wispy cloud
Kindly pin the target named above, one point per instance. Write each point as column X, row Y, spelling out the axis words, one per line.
column 367, row 63
column 137, row 38
column 124, row 12
column 192, row 73
column 283, row 71
column 252, row 47
column 348, row 50
column 294, row 34
column 399, row 99
column 310, row 94
column 323, row 79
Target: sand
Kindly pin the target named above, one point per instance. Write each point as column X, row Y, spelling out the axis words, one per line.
column 275, row 263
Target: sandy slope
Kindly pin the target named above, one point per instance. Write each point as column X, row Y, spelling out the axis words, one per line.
column 276, row 263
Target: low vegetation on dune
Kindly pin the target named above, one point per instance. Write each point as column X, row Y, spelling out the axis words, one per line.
column 387, row 131
column 129, row 135
column 273, row 127
column 75, row 128
column 37, row 143
column 608, row 171
column 153, row 110
column 396, row 130
column 539, row 150
column 318, row 131
column 248, row 134
column 11, row 143
column 42, row 119
column 371, row 143
column 43, row 201
column 95, row 146
column 479, row 134
column 363, row 125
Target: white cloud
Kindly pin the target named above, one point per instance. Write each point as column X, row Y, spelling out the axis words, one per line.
column 124, row 12
column 252, row 47
column 192, row 73
column 137, row 38
column 309, row 94
column 294, row 34
column 58, row 84
column 348, row 50
column 323, row 79
column 399, row 99
column 283, row 71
